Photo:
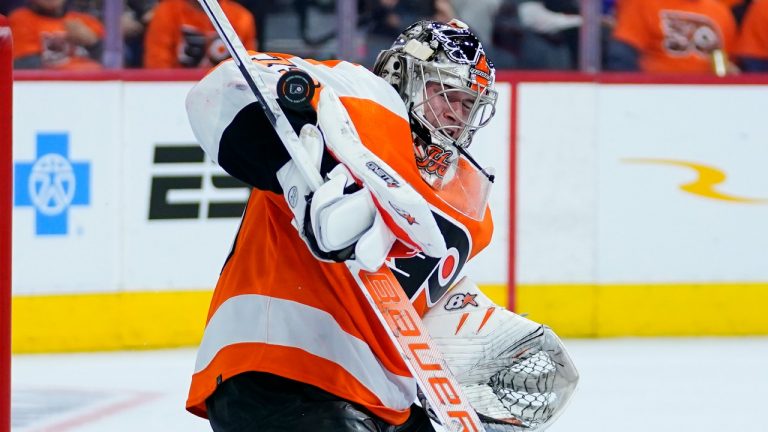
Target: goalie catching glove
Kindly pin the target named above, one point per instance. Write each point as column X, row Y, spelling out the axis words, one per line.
column 516, row 373
column 339, row 220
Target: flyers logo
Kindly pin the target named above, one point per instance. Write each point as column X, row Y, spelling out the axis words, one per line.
column 55, row 48
column 435, row 161
column 460, row 44
column 194, row 46
column 435, row 275
column 688, row 33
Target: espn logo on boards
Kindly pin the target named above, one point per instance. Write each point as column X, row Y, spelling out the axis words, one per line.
column 186, row 184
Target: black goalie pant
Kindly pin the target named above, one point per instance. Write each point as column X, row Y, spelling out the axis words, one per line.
column 261, row 402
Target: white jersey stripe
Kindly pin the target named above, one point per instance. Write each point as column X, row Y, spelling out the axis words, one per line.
column 307, row 328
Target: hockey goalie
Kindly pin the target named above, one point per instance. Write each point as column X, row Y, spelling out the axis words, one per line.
column 291, row 342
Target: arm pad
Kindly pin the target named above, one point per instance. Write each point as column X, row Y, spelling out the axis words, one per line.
column 338, row 221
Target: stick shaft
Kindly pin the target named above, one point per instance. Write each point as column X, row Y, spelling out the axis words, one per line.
column 272, row 110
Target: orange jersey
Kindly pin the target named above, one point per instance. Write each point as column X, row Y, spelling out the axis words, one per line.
column 675, row 35
column 180, row 35
column 276, row 308
column 753, row 40
column 44, row 36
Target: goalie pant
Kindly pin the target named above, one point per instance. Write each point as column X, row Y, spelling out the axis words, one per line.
column 278, row 310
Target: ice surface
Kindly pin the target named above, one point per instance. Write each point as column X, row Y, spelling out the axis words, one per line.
column 627, row 385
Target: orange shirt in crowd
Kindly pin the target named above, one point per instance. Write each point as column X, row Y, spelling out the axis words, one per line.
column 181, row 36
column 46, row 36
column 675, row 35
column 753, row 40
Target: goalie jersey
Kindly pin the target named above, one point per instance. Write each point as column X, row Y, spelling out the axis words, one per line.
column 277, row 309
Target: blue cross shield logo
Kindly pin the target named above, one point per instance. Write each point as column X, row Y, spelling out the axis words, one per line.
column 51, row 184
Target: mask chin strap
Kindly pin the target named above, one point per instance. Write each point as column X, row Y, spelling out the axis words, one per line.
column 472, row 160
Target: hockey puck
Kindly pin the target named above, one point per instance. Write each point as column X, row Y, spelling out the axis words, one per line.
column 295, row 89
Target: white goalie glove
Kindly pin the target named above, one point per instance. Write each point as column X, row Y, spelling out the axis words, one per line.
column 339, row 221
column 515, row 372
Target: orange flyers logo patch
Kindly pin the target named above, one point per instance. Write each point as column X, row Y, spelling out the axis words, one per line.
column 688, row 33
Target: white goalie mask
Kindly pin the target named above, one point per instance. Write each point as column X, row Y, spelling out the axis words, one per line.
column 447, row 83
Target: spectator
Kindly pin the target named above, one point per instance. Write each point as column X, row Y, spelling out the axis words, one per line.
column 670, row 36
column 181, row 36
column 496, row 23
column 260, row 9
column 136, row 17
column 479, row 15
column 506, row 35
column 385, row 20
column 93, row 8
column 442, row 11
column 752, row 47
column 46, row 36
column 549, row 32
column 8, row 6
column 133, row 22
column 738, row 8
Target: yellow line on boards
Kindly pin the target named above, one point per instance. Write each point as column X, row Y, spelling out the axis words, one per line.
column 657, row 309
column 108, row 321
column 163, row 319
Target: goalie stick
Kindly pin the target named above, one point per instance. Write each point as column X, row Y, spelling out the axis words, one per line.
column 381, row 288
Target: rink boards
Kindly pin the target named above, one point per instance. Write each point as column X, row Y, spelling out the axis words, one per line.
column 123, row 249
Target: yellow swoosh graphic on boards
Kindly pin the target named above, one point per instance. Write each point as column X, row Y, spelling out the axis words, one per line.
column 708, row 178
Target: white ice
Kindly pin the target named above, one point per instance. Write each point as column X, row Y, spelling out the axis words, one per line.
column 627, row 385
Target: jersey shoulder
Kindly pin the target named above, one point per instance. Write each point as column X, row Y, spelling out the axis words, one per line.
column 354, row 81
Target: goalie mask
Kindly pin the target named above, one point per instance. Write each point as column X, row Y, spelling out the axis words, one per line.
column 446, row 81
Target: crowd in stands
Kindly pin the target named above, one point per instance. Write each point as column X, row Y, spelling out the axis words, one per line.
column 662, row 36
